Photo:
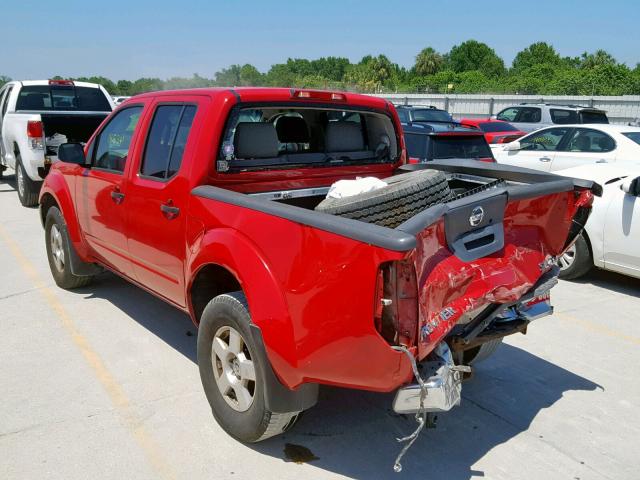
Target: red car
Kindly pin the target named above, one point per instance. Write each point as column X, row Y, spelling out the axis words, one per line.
column 495, row 131
column 215, row 201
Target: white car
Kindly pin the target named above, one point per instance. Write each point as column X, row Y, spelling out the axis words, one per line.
column 611, row 237
column 566, row 146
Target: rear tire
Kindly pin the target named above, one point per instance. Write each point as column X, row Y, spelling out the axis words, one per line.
column 233, row 373
column 576, row 261
column 59, row 253
column 28, row 190
column 478, row 354
column 403, row 197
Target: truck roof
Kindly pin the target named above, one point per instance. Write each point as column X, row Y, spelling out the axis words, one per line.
column 46, row 82
column 271, row 94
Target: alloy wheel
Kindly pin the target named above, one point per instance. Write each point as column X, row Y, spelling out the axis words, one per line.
column 567, row 258
column 57, row 250
column 233, row 368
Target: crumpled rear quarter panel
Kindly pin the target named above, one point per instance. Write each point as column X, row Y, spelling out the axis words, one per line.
column 535, row 230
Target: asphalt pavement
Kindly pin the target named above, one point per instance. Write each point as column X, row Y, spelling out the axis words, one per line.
column 102, row 383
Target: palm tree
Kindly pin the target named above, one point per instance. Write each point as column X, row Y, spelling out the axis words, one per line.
column 428, row 62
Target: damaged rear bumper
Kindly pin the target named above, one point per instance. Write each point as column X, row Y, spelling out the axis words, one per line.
column 442, row 378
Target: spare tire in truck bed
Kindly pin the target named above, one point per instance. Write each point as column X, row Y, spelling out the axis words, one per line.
column 403, row 197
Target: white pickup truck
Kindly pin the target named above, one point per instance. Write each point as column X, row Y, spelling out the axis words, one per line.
column 36, row 117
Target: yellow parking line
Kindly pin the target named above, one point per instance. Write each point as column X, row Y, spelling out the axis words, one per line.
column 601, row 329
column 115, row 391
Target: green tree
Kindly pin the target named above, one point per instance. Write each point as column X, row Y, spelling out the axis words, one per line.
column 599, row 58
column 536, row 54
column 474, row 55
column 279, row 75
column 123, row 87
column 143, row 85
column 250, row 76
column 228, row 77
column 428, row 62
column 4, row 79
column 332, row 68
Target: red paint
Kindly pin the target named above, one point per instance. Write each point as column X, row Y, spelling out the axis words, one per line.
column 499, row 136
column 313, row 293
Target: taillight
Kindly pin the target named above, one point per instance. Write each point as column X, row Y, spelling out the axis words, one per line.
column 488, row 159
column 414, row 160
column 35, row 134
column 318, row 95
column 34, row 129
column 396, row 303
column 66, row 83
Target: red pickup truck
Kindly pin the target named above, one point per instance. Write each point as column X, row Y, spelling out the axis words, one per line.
column 215, row 201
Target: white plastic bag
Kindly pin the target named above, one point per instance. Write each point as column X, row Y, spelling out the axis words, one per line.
column 349, row 188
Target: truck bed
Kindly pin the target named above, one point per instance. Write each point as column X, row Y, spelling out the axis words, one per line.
column 532, row 216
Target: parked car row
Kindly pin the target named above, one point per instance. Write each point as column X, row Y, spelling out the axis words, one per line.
column 218, row 201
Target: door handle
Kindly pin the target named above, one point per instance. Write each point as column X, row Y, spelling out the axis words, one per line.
column 602, row 160
column 169, row 211
column 545, row 159
column 117, row 196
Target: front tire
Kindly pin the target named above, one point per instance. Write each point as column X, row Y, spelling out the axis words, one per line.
column 59, row 252
column 28, row 190
column 576, row 261
column 232, row 371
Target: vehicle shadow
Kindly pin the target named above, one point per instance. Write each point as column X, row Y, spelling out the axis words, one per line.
column 169, row 324
column 613, row 281
column 7, row 183
column 352, row 433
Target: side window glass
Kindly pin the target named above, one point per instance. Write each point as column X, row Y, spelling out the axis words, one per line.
column 167, row 139
column 403, row 115
column 584, row 140
column 112, row 147
column 529, row 115
column 5, row 101
column 508, row 115
column 563, row 117
column 546, row 140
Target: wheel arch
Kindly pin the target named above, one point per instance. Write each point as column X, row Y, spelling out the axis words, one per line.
column 225, row 259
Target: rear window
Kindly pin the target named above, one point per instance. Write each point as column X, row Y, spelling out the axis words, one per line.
column 458, row 146
column 416, row 145
column 431, row 115
column 62, row 97
column 593, row 117
column 290, row 137
column 563, row 117
column 635, row 136
column 497, row 127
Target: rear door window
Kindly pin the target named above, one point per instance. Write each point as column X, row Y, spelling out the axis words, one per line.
column 529, row 115
column 547, row 140
column 167, row 140
column 5, row 101
column 563, row 117
column 587, row 140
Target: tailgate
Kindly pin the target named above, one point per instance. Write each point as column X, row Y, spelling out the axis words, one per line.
column 492, row 246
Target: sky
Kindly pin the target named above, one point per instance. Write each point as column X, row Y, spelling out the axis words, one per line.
column 135, row 38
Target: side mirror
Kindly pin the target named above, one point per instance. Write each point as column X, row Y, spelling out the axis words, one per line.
column 631, row 186
column 512, row 146
column 72, row 153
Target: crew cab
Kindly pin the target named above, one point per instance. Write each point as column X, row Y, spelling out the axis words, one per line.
column 36, row 117
column 215, row 200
